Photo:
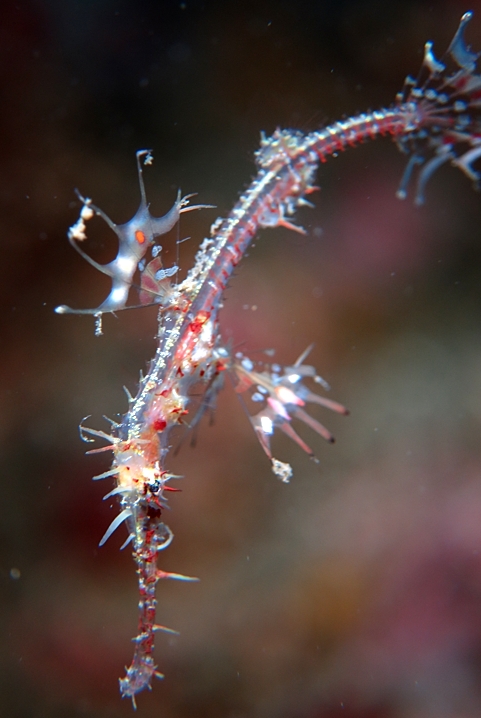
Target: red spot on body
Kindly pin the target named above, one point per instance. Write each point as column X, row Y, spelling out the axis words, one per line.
column 449, row 139
column 159, row 424
column 140, row 236
column 196, row 325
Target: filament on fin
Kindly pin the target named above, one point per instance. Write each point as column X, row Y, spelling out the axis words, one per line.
column 129, row 538
column 114, row 492
column 167, row 540
column 106, row 474
column 458, row 50
column 175, row 576
column 94, row 432
column 413, row 161
column 434, row 67
column 163, row 629
column 118, row 520
column 464, row 163
column 427, row 172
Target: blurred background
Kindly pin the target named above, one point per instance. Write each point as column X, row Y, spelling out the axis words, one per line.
column 354, row 591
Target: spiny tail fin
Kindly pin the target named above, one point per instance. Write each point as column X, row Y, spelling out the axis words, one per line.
column 447, row 99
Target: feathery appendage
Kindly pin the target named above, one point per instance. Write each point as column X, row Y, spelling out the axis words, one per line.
column 435, row 119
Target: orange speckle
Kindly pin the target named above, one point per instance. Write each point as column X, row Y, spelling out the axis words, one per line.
column 140, row 236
